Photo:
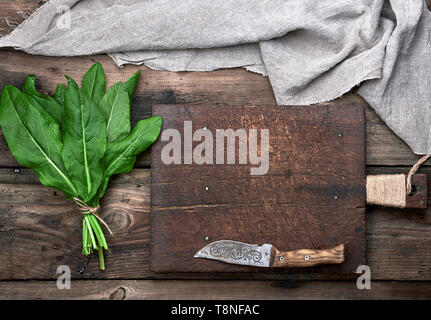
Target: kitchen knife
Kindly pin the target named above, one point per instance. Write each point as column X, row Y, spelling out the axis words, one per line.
column 267, row 255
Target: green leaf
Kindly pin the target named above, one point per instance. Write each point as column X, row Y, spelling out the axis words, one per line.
column 33, row 138
column 93, row 83
column 48, row 103
column 30, row 86
column 115, row 106
column 59, row 94
column 84, row 141
column 131, row 83
column 76, row 140
column 120, row 156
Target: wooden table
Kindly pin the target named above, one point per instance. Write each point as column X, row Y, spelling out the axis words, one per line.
column 40, row 229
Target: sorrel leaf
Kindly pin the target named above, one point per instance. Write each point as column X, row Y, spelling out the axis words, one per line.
column 33, row 138
column 84, row 141
column 94, row 83
column 77, row 140
column 115, row 106
column 48, row 103
column 120, row 156
column 59, row 94
column 144, row 134
column 131, row 83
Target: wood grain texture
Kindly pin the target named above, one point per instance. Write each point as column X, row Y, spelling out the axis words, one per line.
column 227, row 86
column 418, row 197
column 399, row 241
column 313, row 195
column 307, row 258
column 212, row 290
column 409, row 229
column 40, row 231
column 12, row 13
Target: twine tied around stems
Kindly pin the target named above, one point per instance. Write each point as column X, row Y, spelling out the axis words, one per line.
column 86, row 209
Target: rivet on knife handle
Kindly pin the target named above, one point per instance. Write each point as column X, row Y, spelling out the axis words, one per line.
column 307, row 258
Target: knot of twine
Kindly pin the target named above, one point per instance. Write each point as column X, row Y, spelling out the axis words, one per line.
column 391, row 189
column 86, row 209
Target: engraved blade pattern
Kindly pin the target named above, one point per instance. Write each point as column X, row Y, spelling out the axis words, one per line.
column 235, row 252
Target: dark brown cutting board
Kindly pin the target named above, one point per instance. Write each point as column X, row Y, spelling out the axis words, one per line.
column 312, row 197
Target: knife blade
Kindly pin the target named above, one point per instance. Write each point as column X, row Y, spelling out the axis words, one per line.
column 267, row 256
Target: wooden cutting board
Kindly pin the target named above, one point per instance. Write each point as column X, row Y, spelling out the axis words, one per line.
column 312, row 197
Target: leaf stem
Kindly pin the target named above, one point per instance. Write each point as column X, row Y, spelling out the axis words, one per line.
column 85, row 250
column 101, row 259
column 92, row 233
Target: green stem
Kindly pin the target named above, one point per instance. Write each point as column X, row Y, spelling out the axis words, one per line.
column 98, row 231
column 84, row 238
column 92, row 233
column 101, row 259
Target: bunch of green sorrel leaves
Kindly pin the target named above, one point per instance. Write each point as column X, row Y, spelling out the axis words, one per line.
column 77, row 140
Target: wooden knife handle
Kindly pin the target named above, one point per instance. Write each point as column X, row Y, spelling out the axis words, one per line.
column 308, row 258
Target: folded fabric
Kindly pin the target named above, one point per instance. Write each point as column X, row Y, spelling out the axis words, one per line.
column 312, row 51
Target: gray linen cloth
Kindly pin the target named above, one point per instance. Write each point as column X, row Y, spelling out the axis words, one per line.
column 311, row 50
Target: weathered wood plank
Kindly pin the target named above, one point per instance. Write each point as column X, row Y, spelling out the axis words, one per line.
column 40, row 230
column 38, row 224
column 12, row 13
column 391, row 233
column 313, row 195
column 418, row 198
column 395, row 236
column 229, row 86
column 214, row 290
